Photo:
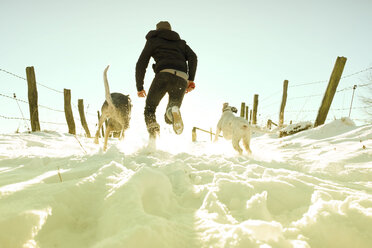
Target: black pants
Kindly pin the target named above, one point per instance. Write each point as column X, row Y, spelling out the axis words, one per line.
column 163, row 83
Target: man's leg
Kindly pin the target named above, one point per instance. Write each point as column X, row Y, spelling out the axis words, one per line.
column 156, row 93
column 176, row 88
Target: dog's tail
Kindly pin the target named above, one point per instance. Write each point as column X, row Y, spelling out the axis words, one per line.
column 107, row 88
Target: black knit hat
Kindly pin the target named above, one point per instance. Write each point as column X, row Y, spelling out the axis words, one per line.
column 163, row 25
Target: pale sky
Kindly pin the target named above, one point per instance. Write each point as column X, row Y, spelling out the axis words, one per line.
column 243, row 47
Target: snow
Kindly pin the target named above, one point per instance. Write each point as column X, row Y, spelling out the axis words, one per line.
column 310, row 189
column 293, row 128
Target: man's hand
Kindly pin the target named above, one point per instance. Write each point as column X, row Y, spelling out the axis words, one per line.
column 190, row 86
column 141, row 93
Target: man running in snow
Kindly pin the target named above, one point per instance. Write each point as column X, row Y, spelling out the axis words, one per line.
column 175, row 67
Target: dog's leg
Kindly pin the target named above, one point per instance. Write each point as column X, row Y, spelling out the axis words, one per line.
column 100, row 123
column 246, row 141
column 107, row 134
column 235, row 143
column 218, row 131
column 121, row 137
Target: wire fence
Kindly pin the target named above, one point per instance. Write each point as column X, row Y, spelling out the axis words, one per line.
column 43, row 85
column 24, row 101
column 325, row 81
column 26, row 119
column 297, row 106
column 40, row 106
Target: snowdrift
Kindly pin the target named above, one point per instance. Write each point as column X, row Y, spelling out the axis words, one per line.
column 311, row 189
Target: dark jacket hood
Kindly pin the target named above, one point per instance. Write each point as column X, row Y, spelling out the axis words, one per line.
column 165, row 34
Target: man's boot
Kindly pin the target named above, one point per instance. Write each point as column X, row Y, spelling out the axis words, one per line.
column 174, row 115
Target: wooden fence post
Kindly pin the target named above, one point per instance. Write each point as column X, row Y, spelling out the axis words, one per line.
column 82, row 117
column 32, row 98
column 284, row 101
column 330, row 91
column 250, row 116
column 255, row 106
column 242, row 110
column 194, row 134
column 268, row 124
column 246, row 112
column 68, row 111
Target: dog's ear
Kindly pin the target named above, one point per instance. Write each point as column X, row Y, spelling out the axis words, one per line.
column 234, row 110
column 225, row 105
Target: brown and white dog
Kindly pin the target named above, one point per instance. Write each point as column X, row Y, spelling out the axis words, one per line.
column 117, row 109
column 234, row 128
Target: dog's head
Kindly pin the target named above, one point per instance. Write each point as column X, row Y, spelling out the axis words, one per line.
column 226, row 107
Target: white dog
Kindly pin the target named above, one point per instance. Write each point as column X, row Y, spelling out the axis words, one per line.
column 234, row 128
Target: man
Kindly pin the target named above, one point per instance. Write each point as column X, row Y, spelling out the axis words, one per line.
column 175, row 67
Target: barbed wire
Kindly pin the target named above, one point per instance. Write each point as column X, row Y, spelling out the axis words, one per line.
column 316, row 82
column 268, row 105
column 331, row 109
column 39, row 105
column 14, row 118
column 300, row 97
column 357, row 119
column 303, row 84
column 17, row 76
column 13, row 98
column 323, row 81
column 276, row 92
column 353, row 87
column 56, row 110
column 55, row 123
column 358, row 72
column 341, row 109
column 23, row 101
column 316, row 95
column 91, row 114
column 303, row 106
column 42, row 106
column 87, row 113
column 346, row 88
column 25, row 119
column 363, row 85
column 369, row 119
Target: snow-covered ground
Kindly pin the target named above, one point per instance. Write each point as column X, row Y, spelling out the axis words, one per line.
column 311, row 189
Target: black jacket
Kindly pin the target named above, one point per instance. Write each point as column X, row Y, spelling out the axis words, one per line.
column 169, row 52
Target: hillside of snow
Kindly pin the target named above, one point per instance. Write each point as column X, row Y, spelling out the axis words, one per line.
column 311, row 189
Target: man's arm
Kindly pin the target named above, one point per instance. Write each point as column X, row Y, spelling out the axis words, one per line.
column 192, row 62
column 142, row 64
